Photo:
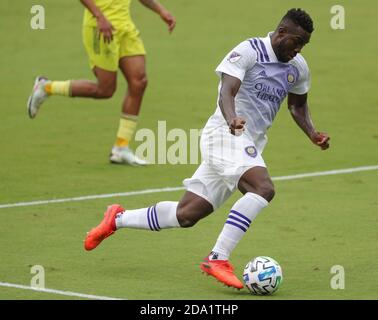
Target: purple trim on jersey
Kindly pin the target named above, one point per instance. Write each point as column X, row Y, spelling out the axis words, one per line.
column 148, row 218
column 260, row 51
column 239, row 220
column 264, row 50
column 241, row 215
column 154, row 214
column 254, row 48
column 236, row 225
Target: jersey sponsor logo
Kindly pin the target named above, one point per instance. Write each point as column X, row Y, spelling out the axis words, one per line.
column 269, row 89
column 270, row 93
column 251, row 151
column 234, row 57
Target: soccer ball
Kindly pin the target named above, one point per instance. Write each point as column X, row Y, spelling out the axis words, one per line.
column 262, row 275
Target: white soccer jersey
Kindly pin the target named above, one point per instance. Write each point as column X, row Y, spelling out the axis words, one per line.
column 265, row 84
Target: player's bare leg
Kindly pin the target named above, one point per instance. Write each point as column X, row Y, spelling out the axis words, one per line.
column 257, row 180
column 103, row 88
column 191, row 209
column 134, row 71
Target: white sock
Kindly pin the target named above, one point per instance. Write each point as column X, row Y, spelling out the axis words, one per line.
column 161, row 216
column 243, row 212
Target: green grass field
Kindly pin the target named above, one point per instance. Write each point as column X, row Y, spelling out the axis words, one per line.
column 312, row 224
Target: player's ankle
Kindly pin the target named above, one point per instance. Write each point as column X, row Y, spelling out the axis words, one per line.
column 217, row 256
column 47, row 88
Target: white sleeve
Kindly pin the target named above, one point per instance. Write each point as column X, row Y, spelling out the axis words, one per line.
column 303, row 83
column 238, row 61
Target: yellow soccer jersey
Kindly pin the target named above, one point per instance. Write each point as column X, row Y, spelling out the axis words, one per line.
column 116, row 11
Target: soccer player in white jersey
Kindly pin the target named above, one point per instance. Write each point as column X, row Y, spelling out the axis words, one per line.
column 255, row 78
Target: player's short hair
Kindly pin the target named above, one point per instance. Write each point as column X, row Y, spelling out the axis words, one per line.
column 300, row 18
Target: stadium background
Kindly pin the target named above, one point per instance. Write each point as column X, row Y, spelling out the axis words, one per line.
column 312, row 224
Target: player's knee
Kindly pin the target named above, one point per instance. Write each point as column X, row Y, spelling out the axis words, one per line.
column 105, row 91
column 186, row 223
column 263, row 187
column 138, row 84
column 266, row 190
column 185, row 219
column 143, row 82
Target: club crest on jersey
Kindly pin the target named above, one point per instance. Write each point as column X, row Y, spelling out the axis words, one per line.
column 251, row 151
column 234, row 56
column 290, row 78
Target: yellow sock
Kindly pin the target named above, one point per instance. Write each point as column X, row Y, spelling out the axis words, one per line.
column 62, row 88
column 126, row 129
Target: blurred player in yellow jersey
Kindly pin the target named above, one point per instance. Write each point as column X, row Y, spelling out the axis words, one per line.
column 112, row 42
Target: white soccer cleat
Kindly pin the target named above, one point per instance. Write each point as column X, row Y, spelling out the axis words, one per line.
column 37, row 97
column 124, row 155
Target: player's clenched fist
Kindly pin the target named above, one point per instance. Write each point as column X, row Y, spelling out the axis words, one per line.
column 321, row 139
column 237, row 126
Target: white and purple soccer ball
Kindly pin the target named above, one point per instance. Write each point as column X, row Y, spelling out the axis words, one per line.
column 262, row 275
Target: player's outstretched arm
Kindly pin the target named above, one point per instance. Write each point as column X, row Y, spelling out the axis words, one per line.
column 229, row 88
column 301, row 114
column 155, row 6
